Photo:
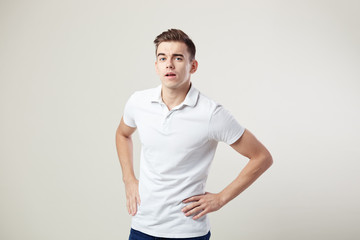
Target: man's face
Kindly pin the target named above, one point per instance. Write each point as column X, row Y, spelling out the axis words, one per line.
column 173, row 64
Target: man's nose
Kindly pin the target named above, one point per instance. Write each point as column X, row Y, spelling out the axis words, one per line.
column 169, row 64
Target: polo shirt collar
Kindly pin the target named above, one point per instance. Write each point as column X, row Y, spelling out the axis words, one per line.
column 190, row 99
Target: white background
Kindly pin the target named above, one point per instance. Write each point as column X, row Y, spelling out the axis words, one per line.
column 287, row 70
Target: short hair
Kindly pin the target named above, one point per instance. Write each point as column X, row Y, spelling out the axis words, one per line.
column 178, row 36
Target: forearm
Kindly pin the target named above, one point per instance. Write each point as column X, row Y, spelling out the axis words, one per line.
column 209, row 202
column 124, row 148
column 254, row 169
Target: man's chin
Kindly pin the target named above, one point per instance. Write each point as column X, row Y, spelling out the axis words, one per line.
column 173, row 84
column 170, row 84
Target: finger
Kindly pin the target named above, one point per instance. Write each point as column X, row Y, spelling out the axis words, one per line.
column 190, row 206
column 194, row 210
column 134, row 207
column 131, row 206
column 128, row 206
column 192, row 199
column 199, row 215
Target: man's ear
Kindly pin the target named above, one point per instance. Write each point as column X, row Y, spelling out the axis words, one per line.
column 194, row 66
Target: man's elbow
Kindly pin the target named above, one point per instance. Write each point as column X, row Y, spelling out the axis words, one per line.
column 268, row 160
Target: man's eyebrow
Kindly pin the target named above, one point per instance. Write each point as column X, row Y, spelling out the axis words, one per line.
column 174, row 55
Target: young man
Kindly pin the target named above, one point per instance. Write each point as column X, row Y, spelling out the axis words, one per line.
column 179, row 129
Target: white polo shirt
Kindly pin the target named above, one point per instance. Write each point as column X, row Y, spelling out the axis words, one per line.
column 178, row 147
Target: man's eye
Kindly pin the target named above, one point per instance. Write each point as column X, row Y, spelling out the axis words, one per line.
column 178, row 58
column 162, row 59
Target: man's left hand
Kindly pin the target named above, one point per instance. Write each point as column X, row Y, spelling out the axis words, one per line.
column 202, row 204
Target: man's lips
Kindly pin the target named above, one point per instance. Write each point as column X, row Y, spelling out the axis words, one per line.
column 170, row 74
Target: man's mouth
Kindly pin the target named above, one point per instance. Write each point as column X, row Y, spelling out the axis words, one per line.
column 170, row 75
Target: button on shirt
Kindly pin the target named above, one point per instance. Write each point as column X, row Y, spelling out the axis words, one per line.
column 178, row 146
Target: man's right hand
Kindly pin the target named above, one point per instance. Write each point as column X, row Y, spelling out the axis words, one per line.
column 132, row 196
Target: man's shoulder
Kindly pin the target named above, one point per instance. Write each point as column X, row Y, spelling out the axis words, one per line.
column 145, row 94
column 210, row 105
column 207, row 101
column 148, row 91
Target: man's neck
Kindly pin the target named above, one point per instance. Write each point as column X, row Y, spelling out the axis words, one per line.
column 173, row 97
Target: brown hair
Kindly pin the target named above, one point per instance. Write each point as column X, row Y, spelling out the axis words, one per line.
column 178, row 36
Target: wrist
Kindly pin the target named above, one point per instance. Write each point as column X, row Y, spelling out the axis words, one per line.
column 129, row 179
column 222, row 199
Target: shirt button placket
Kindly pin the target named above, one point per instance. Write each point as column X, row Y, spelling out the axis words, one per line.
column 165, row 118
column 166, row 121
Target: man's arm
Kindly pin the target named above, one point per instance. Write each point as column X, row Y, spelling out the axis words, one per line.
column 259, row 161
column 124, row 148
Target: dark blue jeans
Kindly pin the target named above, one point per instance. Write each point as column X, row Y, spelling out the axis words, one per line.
column 137, row 235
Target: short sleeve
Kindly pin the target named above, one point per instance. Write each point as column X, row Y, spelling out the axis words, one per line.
column 129, row 112
column 223, row 127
